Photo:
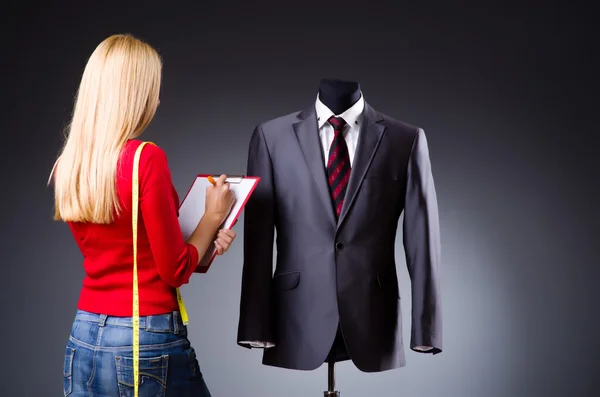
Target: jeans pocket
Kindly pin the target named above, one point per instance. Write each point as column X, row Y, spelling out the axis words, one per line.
column 68, row 371
column 153, row 376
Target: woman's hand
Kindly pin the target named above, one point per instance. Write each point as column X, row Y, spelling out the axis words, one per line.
column 219, row 200
column 224, row 239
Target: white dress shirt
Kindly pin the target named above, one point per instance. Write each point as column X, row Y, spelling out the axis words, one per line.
column 353, row 118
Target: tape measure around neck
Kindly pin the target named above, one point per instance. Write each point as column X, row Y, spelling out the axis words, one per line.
column 136, row 296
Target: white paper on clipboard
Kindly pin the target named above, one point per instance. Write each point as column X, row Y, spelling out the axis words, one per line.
column 192, row 207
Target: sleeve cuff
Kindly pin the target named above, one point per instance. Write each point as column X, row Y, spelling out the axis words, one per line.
column 257, row 344
column 426, row 349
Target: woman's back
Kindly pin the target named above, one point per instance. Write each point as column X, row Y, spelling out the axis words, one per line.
column 164, row 260
column 93, row 177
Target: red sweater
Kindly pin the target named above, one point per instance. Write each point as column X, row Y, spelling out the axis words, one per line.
column 165, row 261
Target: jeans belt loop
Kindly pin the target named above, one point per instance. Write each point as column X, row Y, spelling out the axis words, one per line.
column 175, row 319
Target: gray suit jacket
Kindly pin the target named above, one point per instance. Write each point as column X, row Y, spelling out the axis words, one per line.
column 327, row 270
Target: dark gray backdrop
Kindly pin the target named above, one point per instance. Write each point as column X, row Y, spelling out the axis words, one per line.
column 505, row 96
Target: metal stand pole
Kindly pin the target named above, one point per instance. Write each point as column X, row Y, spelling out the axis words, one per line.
column 331, row 381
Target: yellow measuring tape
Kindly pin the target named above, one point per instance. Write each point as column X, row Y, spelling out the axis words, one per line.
column 136, row 295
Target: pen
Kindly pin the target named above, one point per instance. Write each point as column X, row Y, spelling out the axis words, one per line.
column 211, row 180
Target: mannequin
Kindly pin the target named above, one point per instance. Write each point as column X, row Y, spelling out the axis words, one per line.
column 339, row 95
column 334, row 295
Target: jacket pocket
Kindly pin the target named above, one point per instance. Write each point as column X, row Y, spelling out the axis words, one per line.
column 286, row 281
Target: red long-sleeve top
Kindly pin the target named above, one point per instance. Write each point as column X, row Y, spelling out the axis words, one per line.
column 165, row 261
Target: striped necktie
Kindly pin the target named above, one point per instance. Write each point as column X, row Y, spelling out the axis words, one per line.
column 338, row 165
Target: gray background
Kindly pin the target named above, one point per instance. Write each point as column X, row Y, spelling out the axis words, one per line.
column 505, row 96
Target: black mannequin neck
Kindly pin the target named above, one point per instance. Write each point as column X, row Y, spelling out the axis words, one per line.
column 339, row 95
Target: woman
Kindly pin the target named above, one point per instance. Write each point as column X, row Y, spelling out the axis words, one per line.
column 117, row 99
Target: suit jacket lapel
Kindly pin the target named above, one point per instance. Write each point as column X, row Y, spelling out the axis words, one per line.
column 307, row 133
column 368, row 142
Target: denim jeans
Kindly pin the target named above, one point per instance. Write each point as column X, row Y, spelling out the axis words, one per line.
column 99, row 359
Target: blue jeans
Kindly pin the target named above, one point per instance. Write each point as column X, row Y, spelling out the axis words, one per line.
column 99, row 359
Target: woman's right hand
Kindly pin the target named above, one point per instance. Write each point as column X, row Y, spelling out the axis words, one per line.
column 219, row 199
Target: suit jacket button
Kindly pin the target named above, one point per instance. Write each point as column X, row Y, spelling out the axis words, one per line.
column 339, row 246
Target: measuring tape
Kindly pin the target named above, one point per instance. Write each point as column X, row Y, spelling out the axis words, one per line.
column 136, row 294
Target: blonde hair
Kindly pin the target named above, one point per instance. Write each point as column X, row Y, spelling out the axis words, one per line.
column 116, row 100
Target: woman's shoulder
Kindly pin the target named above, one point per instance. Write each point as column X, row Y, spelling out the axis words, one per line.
column 152, row 155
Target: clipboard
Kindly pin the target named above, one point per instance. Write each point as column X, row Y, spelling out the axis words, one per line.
column 192, row 207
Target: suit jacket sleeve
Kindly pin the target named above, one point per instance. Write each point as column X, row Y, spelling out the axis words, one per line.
column 259, row 224
column 422, row 247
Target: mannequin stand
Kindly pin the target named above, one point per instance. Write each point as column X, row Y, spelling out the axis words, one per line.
column 331, row 392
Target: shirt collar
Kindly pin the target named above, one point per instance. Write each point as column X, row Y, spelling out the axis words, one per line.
column 352, row 115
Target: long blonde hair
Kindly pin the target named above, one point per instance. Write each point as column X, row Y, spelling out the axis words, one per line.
column 116, row 100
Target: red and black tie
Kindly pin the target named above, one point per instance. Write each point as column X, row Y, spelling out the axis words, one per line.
column 338, row 165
